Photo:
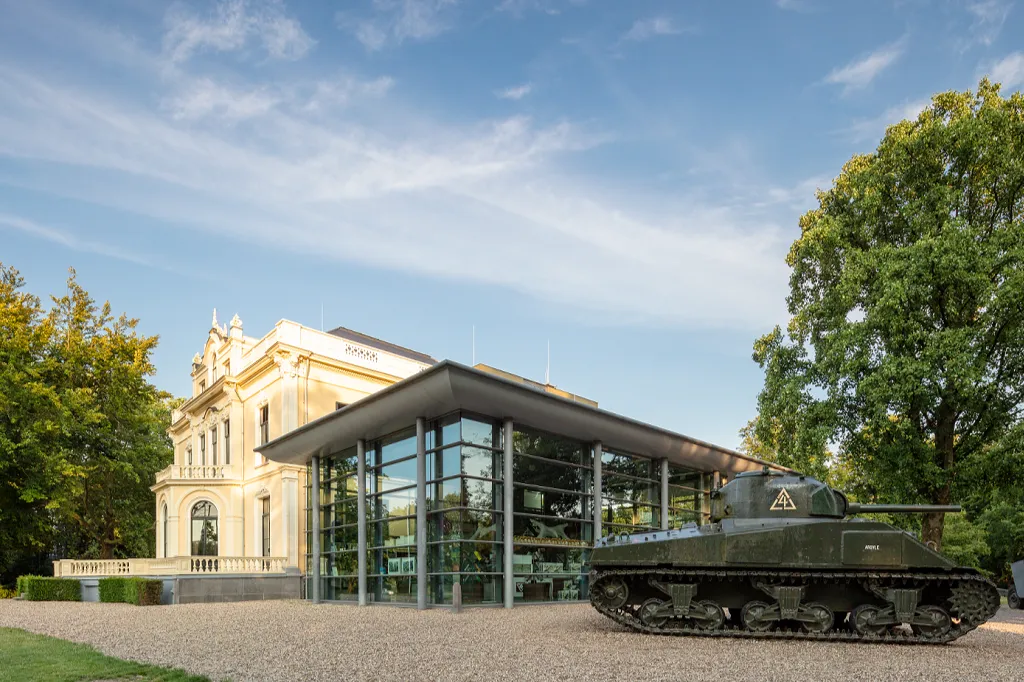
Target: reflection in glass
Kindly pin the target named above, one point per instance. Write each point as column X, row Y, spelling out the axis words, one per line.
column 204, row 529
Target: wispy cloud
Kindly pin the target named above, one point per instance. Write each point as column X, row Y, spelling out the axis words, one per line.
column 395, row 21
column 384, row 185
column 552, row 7
column 71, row 241
column 231, row 25
column 873, row 129
column 860, row 72
column 988, row 17
column 204, row 98
column 645, row 29
column 1009, row 71
column 515, row 92
column 793, row 5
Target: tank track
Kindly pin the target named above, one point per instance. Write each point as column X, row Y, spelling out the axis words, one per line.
column 985, row 604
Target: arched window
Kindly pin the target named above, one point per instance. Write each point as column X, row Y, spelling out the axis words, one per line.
column 204, row 529
column 164, row 522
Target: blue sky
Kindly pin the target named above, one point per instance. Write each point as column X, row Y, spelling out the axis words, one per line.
column 622, row 179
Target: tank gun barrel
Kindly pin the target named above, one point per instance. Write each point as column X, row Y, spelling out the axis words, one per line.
column 856, row 508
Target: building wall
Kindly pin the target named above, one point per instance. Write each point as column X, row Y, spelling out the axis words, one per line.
column 298, row 374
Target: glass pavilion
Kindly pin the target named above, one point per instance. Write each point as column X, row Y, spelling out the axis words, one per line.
column 459, row 476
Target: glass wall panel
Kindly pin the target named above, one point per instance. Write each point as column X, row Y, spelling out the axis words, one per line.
column 444, row 463
column 552, row 524
column 396, row 446
column 340, row 589
column 686, row 496
column 477, row 588
column 394, row 503
column 464, row 522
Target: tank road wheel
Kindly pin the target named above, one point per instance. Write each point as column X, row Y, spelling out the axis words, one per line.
column 708, row 615
column 613, row 593
column 653, row 613
column 818, row 618
column 863, row 619
column 931, row 621
column 753, row 616
column 1012, row 600
column 973, row 602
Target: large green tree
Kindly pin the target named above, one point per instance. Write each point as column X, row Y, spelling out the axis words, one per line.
column 905, row 347
column 30, row 417
column 81, row 428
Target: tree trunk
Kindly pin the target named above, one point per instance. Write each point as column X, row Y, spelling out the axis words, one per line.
column 933, row 523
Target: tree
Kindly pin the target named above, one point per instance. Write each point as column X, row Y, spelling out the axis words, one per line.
column 30, row 418
column 115, row 442
column 906, row 341
column 81, row 430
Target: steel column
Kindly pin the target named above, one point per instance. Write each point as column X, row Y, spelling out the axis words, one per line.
column 315, row 535
column 421, row 513
column 664, row 494
column 361, row 517
column 510, row 583
column 598, row 490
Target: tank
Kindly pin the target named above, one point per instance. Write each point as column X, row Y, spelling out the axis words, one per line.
column 782, row 558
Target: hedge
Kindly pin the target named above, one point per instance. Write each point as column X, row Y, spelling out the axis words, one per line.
column 22, row 582
column 51, row 589
column 137, row 591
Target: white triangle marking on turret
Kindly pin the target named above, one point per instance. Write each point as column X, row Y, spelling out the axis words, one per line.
column 783, row 502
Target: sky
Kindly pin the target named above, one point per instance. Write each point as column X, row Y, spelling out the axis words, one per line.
column 618, row 181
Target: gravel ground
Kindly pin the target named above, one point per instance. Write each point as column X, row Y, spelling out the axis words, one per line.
column 292, row 640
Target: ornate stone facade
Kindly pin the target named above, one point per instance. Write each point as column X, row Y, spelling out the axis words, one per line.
column 219, row 498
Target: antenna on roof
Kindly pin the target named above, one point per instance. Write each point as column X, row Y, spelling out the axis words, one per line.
column 547, row 370
column 474, row 345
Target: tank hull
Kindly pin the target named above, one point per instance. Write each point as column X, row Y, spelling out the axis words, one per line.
column 846, row 580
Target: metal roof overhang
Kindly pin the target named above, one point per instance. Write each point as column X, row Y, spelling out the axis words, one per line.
column 449, row 386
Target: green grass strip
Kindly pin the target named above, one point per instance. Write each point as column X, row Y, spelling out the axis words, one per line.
column 27, row 656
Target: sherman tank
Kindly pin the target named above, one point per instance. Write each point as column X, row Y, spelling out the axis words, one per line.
column 781, row 558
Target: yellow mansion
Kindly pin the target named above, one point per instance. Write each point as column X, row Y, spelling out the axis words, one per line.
column 221, row 499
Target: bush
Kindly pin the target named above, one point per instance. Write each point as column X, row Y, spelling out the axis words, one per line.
column 7, row 593
column 137, row 591
column 22, row 582
column 51, row 589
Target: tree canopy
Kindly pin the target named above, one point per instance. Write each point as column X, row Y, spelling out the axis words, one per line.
column 81, row 429
column 903, row 362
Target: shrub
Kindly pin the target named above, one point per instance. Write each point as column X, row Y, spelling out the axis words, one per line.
column 137, row 591
column 22, row 582
column 52, row 589
column 7, row 593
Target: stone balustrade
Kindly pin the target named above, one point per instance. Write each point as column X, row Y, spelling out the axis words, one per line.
column 197, row 472
column 184, row 565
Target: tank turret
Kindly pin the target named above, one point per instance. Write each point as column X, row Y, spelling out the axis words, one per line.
column 774, row 494
column 784, row 555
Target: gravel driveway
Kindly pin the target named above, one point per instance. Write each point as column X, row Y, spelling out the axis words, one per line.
column 296, row 640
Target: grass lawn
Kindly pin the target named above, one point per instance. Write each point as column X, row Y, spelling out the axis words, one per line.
column 26, row 656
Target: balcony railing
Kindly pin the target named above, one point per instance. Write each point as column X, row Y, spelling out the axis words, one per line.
column 182, row 565
column 196, row 471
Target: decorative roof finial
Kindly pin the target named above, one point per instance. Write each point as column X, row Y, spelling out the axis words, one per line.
column 215, row 318
column 236, row 321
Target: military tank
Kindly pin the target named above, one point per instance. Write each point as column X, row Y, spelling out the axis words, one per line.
column 781, row 558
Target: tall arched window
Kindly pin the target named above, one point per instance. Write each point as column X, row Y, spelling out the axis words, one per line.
column 164, row 522
column 204, row 529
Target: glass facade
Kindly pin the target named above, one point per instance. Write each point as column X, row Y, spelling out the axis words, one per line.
column 553, row 527
column 553, row 508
